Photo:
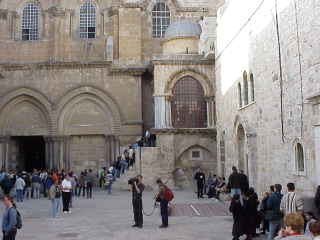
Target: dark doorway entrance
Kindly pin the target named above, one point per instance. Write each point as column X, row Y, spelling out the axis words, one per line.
column 30, row 152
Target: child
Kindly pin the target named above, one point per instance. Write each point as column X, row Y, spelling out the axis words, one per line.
column 236, row 210
column 309, row 218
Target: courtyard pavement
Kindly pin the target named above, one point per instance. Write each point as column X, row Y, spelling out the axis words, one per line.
column 110, row 217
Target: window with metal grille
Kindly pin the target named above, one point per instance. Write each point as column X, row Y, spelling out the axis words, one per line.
column 195, row 154
column 30, row 22
column 87, row 21
column 189, row 107
column 160, row 19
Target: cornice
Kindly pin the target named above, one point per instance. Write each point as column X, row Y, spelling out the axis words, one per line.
column 55, row 65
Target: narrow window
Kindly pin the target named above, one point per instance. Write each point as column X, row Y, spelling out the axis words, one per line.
column 245, row 88
column 87, row 21
column 299, row 157
column 160, row 19
column 240, row 95
column 30, row 22
column 252, row 88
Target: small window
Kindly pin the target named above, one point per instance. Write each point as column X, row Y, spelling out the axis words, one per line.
column 30, row 22
column 87, row 21
column 252, row 88
column 195, row 154
column 245, row 89
column 299, row 155
column 240, row 95
column 160, row 19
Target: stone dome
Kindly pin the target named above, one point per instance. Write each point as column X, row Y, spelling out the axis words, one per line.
column 183, row 28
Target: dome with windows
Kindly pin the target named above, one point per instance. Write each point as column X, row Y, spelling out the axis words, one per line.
column 182, row 37
column 183, row 28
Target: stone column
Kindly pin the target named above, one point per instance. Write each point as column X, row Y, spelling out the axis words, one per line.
column 210, row 111
column 55, row 152
column 168, row 112
column 252, row 159
column 107, row 139
column 4, row 151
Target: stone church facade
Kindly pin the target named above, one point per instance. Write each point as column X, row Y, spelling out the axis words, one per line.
column 79, row 79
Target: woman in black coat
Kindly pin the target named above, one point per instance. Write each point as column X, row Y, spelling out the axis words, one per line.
column 237, row 212
column 250, row 213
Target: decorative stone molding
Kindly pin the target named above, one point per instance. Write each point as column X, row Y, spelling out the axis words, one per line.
column 133, row 70
column 56, row 11
column 54, row 65
column 202, row 131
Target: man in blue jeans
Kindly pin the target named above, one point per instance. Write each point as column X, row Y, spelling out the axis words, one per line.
column 20, row 184
column 234, row 183
column 273, row 213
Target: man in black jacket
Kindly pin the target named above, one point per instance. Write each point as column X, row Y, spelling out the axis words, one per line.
column 244, row 182
column 200, row 177
column 234, row 183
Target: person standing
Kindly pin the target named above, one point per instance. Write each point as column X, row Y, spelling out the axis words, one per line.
column 137, row 188
column 244, row 182
column 36, row 185
column 66, row 194
column 89, row 183
column 237, row 213
column 200, row 177
column 164, row 200
column 54, row 196
column 9, row 219
column 273, row 213
column 20, row 184
column 234, row 183
column 317, row 199
column 291, row 202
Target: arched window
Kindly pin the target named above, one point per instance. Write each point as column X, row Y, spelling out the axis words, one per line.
column 245, row 89
column 240, row 95
column 160, row 19
column 299, row 155
column 30, row 22
column 87, row 21
column 252, row 87
column 189, row 107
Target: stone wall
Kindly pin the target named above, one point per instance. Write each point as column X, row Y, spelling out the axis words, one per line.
column 280, row 115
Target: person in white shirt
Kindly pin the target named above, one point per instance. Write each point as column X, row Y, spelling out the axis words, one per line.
column 20, row 184
column 66, row 186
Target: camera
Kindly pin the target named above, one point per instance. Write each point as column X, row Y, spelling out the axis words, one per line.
column 132, row 181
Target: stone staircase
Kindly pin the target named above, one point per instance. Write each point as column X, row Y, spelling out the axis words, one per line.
column 122, row 182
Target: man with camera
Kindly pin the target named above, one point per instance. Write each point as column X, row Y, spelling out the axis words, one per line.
column 137, row 188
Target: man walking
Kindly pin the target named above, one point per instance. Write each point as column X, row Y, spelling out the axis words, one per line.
column 291, row 202
column 200, row 177
column 137, row 188
column 273, row 213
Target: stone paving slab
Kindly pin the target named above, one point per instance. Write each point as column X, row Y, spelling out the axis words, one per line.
column 110, row 217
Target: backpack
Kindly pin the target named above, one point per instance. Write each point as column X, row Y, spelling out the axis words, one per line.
column 168, row 195
column 19, row 219
column 58, row 192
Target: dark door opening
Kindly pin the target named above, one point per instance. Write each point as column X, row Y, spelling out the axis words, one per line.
column 30, row 153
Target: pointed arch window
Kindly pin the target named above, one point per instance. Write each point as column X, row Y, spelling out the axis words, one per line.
column 299, row 158
column 245, row 89
column 87, row 21
column 188, row 106
column 160, row 19
column 252, row 88
column 30, row 22
column 240, row 95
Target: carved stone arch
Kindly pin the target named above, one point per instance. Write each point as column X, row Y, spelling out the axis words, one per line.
column 202, row 79
column 25, row 112
column 104, row 103
column 191, row 145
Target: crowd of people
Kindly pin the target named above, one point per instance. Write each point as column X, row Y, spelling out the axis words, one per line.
column 280, row 216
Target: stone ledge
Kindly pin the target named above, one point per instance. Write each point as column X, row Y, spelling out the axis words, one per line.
column 203, row 131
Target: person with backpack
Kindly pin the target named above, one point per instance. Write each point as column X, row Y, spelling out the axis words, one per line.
column 54, row 196
column 273, row 213
column 164, row 196
column 11, row 220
